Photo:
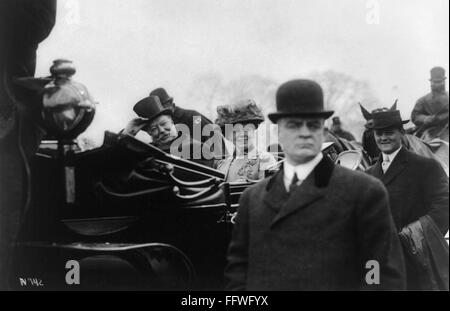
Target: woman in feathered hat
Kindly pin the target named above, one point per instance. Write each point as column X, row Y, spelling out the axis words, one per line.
column 239, row 123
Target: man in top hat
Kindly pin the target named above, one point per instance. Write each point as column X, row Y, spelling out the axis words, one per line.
column 430, row 114
column 191, row 118
column 313, row 225
column 337, row 129
column 157, row 121
column 417, row 186
column 200, row 127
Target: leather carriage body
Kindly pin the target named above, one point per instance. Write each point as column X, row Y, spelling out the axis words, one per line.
column 125, row 209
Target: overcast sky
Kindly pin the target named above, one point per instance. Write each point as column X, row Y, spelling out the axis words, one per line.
column 123, row 49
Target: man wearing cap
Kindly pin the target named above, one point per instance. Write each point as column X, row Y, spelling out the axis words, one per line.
column 339, row 131
column 417, row 186
column 157, row 121
column 313, row 225
column 430, row 114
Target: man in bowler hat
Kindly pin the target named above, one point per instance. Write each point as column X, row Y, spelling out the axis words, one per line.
column 430, row 114
column 417, row 186
column 313, row 225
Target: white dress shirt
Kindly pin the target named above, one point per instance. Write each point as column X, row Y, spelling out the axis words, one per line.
column 388, row 159
column 302, row 170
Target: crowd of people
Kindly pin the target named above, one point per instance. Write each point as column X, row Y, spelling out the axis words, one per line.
column 313, row 224
column 229, row 146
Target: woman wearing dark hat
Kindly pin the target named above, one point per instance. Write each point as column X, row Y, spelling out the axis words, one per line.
column 239, row 123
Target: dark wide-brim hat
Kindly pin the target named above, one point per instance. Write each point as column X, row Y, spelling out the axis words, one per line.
column 300, row 98
column 163, row 96
column 386, row 119
column 244, row 111
column 150, row 108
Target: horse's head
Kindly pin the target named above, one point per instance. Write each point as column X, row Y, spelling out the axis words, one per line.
column 368, row 115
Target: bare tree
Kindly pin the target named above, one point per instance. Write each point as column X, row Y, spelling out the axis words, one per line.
column 206, row 93
column 209, row 91
column 342, row 93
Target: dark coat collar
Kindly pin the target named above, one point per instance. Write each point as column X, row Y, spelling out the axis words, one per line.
column 396, row 167
column 312, row 189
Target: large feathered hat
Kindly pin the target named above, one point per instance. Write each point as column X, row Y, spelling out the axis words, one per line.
column 244, row 111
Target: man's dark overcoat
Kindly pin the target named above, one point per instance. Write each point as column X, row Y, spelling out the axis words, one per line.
column 417, row 186
column 320, row 237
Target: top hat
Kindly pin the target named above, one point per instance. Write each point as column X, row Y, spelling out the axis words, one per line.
column 437, row 74
column 244, row 111
column 386, row 118
column 150, row 108
column 302, row 98
column 163, row 96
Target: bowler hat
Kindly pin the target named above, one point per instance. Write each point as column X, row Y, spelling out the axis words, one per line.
column 163, row 96
column 244, row 111
column 302, row 98
column 437, row 74
column 150, row 107
column 386, row 118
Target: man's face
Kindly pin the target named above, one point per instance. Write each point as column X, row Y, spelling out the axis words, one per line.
column 437, row 86
column 301, row 138
column 389, row 139
column 162, row 130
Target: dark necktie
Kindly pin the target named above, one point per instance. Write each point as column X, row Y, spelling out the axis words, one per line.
column 293, row 183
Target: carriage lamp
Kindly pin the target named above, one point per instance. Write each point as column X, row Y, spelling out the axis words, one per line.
column 68, row 108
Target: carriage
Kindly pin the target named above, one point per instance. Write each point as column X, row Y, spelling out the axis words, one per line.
column 129, row 215
column 125, row 215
